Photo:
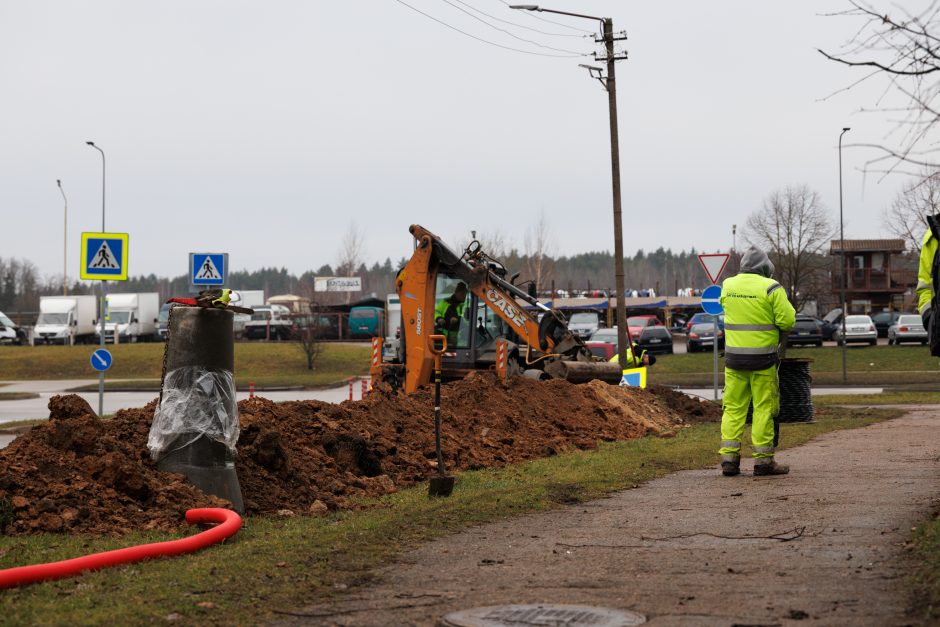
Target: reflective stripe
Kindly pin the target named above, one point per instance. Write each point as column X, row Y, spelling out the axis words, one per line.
column 741, row 350
column 923, row 285
column 750, row 327
column 924, row 308
column 764, row 461
column 730, row 444
column 772, row 288
column 762, row 449
column 731, row 458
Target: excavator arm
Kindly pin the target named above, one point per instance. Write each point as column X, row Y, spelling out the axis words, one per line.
column 565, row 355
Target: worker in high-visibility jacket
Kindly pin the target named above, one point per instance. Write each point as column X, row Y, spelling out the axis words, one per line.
column 757, row 310
column 926, row 273
column 642, row 357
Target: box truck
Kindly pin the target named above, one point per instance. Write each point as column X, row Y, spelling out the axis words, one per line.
column 132, row 317
column 66, row 320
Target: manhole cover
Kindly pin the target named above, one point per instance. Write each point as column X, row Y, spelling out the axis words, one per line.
column 547, row 615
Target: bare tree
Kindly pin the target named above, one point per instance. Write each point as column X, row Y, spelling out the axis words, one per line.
column 793, row 228
column 903, row 50
column 350, row 253
column 539, row 246
column 907, row 216
column 307, row 335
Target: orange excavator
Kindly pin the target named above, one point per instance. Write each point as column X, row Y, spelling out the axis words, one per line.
column 540, row 346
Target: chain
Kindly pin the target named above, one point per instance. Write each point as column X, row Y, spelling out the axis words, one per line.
column 166, row 349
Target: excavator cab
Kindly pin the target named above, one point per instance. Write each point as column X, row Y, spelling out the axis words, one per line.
column 472, row 344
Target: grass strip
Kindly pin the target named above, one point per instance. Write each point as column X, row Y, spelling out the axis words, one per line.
column 885, row 398
column 287, row 563
column 17, row 396
column 264, row 363
column 925, row 580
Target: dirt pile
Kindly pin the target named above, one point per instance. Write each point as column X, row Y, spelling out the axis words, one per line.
column 80, row 474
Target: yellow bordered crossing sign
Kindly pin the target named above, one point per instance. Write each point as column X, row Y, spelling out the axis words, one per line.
column 104, row 256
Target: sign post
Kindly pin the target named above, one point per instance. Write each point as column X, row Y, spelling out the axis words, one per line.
column 711, row 303
column 104, row 258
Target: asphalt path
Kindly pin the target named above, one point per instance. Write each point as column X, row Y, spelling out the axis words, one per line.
column 37, row 408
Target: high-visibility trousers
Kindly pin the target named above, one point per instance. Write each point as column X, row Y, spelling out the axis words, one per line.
column 741, row 388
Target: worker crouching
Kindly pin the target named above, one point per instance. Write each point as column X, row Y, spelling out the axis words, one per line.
column 757, row 310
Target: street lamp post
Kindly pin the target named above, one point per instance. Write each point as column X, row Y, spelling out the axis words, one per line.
column 101, row 301
column 610, row 84
column 65, row 242
column 843, row 271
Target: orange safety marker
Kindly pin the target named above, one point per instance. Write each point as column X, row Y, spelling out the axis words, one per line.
column 365, row 387
column 350, row 388
column 376, row 369
column 501, row 351
column 251, row 389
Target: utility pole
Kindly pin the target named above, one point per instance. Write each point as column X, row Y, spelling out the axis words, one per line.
column 610, row 84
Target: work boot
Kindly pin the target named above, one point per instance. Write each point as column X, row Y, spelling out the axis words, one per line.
column 730, row 469
column 771, row 468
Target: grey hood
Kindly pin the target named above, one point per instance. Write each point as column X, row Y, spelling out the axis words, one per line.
column 756, row 262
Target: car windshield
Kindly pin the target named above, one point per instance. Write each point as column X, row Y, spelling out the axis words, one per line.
column 584, row 318
column 164, row 314
column 910, row 320
column 261, row 314
column 857, row 320
column 6, row 321
column 639, row 321
column 704, row 317
column 53, row 318
column 119, row 317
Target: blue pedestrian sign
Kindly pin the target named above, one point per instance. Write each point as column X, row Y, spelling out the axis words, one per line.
column 711, row 302
column 101, row 360
column 208, row 268
column 104, row 256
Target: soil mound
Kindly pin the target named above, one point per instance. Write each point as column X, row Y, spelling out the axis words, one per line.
column 77, row 473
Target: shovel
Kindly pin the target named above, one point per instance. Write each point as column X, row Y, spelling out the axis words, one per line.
column 442, row 484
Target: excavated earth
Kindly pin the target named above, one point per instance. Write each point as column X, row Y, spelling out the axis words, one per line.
column 79, row 474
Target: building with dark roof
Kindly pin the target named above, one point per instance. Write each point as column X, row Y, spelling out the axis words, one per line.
column 874, row 273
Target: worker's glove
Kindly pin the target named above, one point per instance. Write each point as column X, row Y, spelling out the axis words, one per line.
column 927, row 315
column 453, row 322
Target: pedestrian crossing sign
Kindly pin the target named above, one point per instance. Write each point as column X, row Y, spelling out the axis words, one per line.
column 208, row 268
column 104, row 256
column 634, row 377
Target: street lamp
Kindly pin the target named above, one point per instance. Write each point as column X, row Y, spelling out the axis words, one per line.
column 610, row 84
column 101, row 303
column 92, row 144
column 843, row 273
column 65, row 242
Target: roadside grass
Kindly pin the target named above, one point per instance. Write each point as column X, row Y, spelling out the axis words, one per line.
column 267, row 364
column 885, row 398
column 17, row 396
column 868, row 365
column 925, row 579
column 278, row 565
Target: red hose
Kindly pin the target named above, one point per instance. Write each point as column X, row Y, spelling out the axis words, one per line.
column 229, row 524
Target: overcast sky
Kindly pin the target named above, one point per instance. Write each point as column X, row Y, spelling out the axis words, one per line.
column 262, row 129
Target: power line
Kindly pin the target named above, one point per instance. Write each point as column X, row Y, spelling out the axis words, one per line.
column 513, row 35
column 486, row 41
column 536, row 30
column 537, row 17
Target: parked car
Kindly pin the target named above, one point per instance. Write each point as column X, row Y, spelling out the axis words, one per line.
column 270, row 322
column 702, row 337
column 608, row 334
column 908, row 328
column 807, row 330
column 830, row 322
column 636, row 324
column 584, row 324
column 858, row 329
column 655, row 339
column 10, row 333
column 604, row 350
column 701, row 317
column 885, row 319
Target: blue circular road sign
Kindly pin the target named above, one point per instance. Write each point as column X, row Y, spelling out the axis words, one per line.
column 101, row 360
column 710, row 300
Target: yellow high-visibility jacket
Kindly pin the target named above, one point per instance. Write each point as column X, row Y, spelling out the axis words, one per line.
column 925, row 287
column 756, row 311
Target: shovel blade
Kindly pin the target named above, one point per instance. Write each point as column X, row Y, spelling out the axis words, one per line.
column 441, row 485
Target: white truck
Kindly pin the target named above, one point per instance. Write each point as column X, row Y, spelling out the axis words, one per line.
column 132, row 317
column 66, row 320
column 248, row 299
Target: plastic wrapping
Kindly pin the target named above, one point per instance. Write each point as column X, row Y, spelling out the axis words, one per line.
column 196, row 402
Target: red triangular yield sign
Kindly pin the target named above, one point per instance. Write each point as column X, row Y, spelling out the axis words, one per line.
column 714, row 265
